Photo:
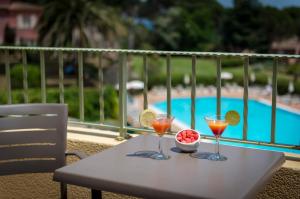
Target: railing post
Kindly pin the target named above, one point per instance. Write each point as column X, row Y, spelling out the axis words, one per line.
column 145, row 78
column 43, row 77
column 245, row 97
column 25, row 74
column 7, row 74
column 169, row 84
column 80, row 80
column 123, row 96
column 100, row 85
column 193, row 91
column 219, row 68
column 274, row 99
column 61, row 76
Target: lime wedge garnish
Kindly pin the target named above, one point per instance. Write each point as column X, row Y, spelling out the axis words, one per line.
column 146, row 118
column 232, row 117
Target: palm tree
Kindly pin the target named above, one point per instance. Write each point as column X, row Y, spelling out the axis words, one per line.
column 69, row 23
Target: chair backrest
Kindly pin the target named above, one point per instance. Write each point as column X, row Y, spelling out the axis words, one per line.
column 32, row 138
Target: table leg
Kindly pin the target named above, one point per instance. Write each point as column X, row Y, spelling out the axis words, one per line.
column 96, row 194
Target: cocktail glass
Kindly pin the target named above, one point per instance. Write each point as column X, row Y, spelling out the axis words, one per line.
column 161, row 124
column 217, row 124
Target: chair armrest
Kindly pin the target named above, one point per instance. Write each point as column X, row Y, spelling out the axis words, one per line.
column 78, row 154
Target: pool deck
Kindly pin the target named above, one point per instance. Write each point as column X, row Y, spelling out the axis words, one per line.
column 81, row 136
column 158, row 94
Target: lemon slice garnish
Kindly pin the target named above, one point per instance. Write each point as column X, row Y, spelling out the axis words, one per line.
column 146, row 118
column 232, row 117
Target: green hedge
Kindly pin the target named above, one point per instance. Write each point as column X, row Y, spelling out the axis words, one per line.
column 91, row 101
column 297, row 87
column 232, row 62
column 33, row 76
column 282, row 85
column 178, row 79
column 261, row 79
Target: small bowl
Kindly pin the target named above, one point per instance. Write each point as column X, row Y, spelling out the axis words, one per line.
column 187, row 147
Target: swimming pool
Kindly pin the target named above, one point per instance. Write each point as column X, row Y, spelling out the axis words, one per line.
column 259, row 119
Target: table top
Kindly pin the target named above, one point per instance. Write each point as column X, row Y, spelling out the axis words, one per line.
column 244, row 173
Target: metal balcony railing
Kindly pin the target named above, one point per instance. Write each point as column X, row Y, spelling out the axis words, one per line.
column 123, row 55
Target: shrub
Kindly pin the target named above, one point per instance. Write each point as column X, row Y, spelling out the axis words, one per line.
column 282, row 85
column 206, row 80
column 297, row 87
column 261, row 78
column 232, row 62
column 177, row 79
column 33, row 76
column 156, row 80
column 111, row 107
column 155, row 65
column 91, row 101
column 238, row 78
column 294, row 69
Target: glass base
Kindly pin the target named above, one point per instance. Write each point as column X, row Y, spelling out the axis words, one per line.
column 217, row 157
column 160, row 156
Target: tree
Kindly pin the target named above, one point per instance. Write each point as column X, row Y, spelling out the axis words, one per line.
column 166, row 33
column 294, row 13
column 189, row 25
column 249, row 25
column 241, row 30
column 68, row 23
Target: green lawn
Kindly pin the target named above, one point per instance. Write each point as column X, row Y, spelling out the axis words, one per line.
column 179, row 65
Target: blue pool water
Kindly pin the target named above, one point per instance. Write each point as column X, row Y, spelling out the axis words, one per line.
column 259, row 119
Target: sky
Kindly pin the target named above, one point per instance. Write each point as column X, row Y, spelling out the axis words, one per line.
column 275, row 3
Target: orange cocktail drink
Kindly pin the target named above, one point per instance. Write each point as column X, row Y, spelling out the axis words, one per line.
column 161, row 124
column 217, row 124
column 217, row 127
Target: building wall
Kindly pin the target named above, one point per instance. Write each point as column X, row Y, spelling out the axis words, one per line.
column 22, row 19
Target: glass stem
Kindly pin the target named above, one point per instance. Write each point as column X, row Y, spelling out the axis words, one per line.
column 218, row 146
column 159, row 146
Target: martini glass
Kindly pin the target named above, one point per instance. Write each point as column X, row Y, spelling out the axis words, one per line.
column 161, row 124
column 217, row 125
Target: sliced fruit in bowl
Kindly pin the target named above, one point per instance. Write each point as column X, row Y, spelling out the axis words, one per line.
column 187, row 140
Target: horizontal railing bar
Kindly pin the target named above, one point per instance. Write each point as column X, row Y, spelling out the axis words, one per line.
column 182, row 53
column 104, row 126
column 139, row 129
column 248, row 142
